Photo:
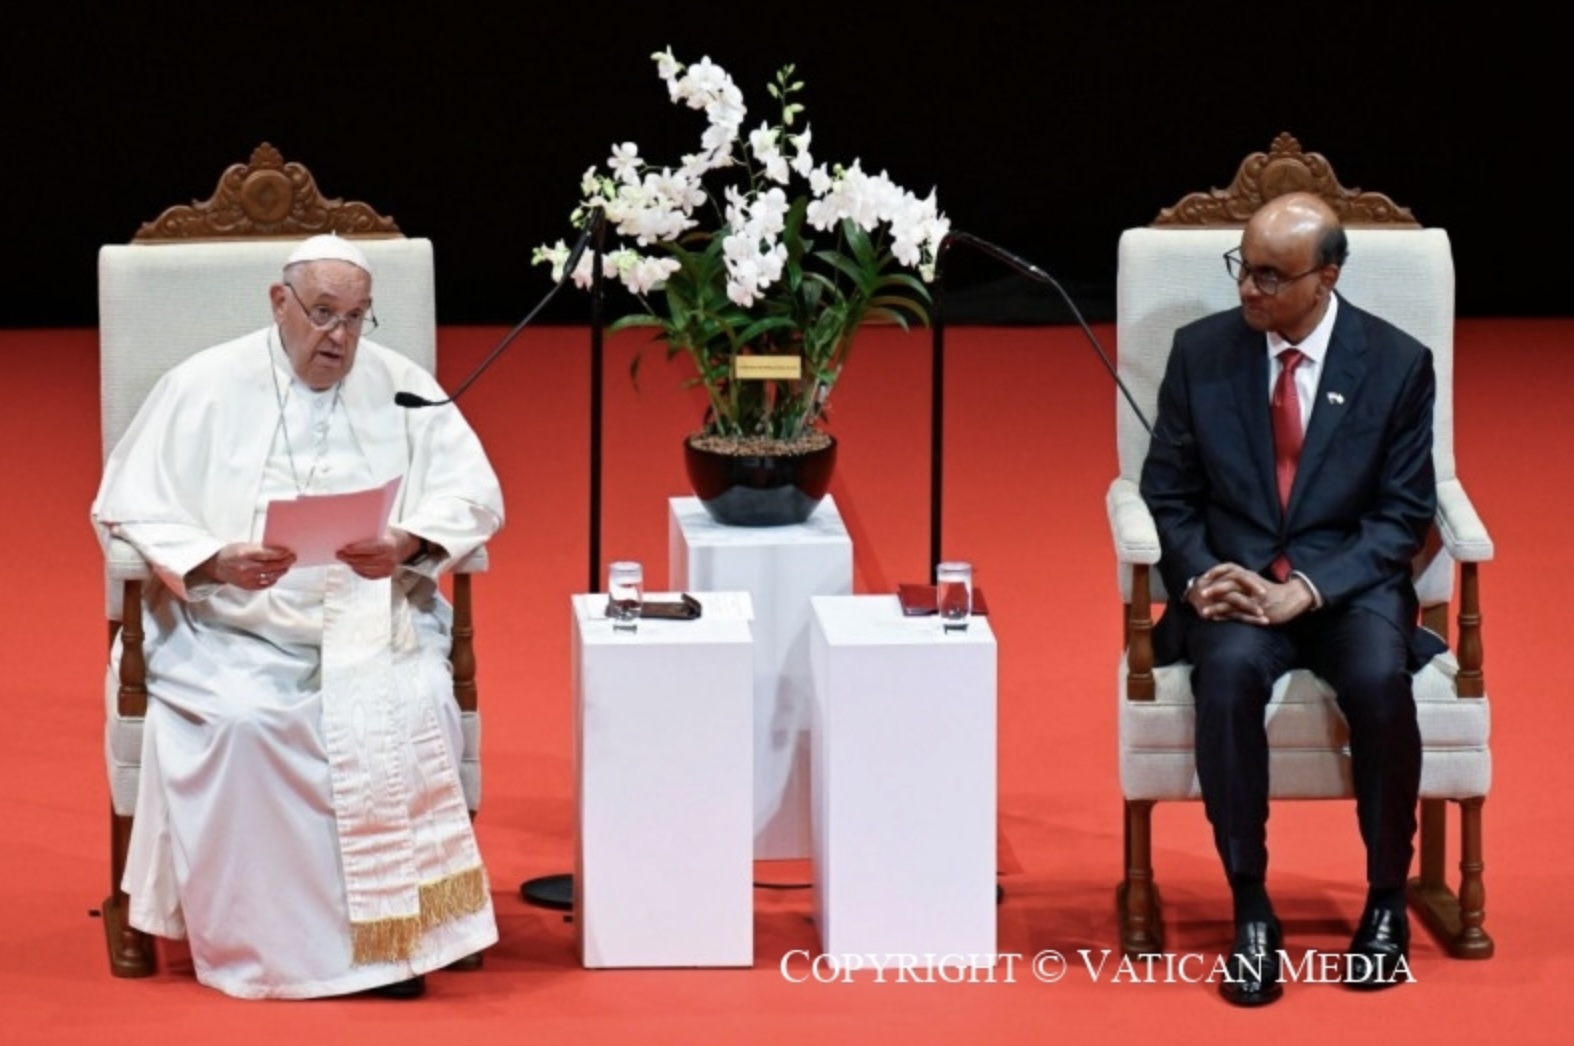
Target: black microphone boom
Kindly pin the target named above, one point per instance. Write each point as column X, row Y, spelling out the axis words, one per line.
column 411, row 400
column 937, row 356
column 1033, row 272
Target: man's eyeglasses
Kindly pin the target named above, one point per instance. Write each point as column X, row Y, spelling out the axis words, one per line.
column 1267, row 280
column 325, row 319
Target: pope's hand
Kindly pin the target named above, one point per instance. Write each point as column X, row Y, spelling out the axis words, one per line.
column 247, row 566
column 379, row 557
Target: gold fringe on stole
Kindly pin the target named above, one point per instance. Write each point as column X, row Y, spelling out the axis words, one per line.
column 442, row 900
column 384, row 940
column 453, row 896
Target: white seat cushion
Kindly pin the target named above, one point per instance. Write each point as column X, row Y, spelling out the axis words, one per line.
column 1308, row 741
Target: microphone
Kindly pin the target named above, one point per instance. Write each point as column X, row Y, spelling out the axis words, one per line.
column 411, row 400
column 1033, row 272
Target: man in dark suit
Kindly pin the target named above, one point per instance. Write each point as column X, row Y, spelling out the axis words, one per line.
column 1290, row 477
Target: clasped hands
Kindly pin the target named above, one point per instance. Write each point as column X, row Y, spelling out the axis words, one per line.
column 255, row 567
column 1230, row 592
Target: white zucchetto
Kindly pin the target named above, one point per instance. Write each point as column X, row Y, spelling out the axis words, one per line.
column 329, row 247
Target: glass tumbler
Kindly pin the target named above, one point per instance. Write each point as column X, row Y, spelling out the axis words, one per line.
column 625, row 594
column 954, row 594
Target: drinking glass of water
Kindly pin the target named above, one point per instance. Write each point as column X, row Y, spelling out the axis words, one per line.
column 625, row 594
column 954, row 594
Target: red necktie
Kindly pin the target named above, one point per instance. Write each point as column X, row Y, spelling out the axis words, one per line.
column 1287, row 437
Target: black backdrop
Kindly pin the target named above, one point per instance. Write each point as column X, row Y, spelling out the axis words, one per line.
column 1047, row 128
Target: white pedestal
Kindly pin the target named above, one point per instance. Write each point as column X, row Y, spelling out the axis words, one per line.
column 780, row 568
column 663, row 730
column 904, row 783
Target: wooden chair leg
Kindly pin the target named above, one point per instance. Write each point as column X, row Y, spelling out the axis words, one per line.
column 1472, row 941
column 462, row 654
column 1137, row 898
column 130, row 950
column 1456, row 920
column 1432, row 846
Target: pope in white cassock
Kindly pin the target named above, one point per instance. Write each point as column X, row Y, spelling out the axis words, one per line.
column 300, row 817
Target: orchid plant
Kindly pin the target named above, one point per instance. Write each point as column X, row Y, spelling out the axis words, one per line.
column 798, row 257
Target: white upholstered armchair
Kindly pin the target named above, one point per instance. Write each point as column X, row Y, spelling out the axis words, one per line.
column 194, row 277
column 1171, row 273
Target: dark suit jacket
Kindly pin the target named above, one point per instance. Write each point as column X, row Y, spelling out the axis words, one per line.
column 1364, row 494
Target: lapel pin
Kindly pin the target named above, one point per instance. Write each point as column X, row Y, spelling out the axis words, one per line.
column 1336, row 397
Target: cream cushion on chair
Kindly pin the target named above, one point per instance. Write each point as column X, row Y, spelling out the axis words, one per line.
column 160, row 303
column 1309, row 753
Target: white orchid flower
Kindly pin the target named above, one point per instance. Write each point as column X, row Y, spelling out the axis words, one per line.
column 625, row 162
column 762, row 140
column 769, row 212
column 555, row 255
column 667, row 67
column 642, row 274
column 584, row 271
column 802, row 162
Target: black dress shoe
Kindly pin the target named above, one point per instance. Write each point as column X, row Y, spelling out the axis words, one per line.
column 1251, row 975
column 413, row 988
column 1379, row 954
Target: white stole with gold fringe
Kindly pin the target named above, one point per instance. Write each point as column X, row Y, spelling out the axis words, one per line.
column 402, row 875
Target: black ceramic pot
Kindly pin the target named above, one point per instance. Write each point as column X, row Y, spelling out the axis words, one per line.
column 760, row 490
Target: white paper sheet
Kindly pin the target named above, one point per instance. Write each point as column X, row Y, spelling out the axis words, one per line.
column 316, row 526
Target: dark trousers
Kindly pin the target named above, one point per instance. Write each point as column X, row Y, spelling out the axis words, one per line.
column 1366, row 659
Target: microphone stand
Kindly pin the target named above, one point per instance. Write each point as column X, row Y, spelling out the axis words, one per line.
column 597, row 370
column 557, row 890
column 1032, row 272
column 937, row 408
column 937, row 380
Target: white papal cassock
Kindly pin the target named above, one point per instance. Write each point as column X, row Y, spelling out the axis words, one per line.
column 299, row 816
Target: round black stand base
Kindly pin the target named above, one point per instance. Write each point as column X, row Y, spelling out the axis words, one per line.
column 549, row 891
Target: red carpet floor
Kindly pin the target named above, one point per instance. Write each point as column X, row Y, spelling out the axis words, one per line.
column 1029, row 454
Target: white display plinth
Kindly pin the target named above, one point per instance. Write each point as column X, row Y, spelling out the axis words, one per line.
column 663, row 729
column 780, row 568
column 904, row 783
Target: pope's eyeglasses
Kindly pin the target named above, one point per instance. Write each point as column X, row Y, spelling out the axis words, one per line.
column 325, row 319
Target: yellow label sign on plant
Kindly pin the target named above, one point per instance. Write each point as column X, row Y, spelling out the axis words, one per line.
column 767, row 368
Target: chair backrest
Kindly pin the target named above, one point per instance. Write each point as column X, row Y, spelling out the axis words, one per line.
column 1172, row 272
column 199, row 275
